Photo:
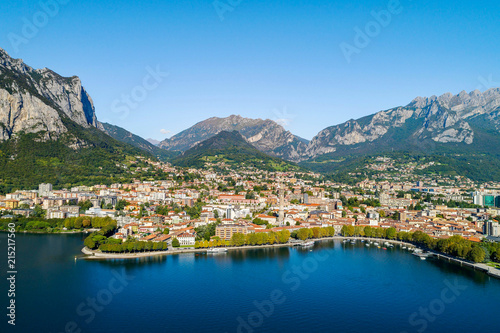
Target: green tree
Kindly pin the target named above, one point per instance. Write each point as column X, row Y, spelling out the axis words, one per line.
column 391, row 233
column 359, row 231
column 315, row 232
column 88, row 242
column 238, row 239
column 84, row 206
column 304, row 233
column 78, row 223
column 331, row 231
column 86, row 222
column 368, row 231
column 121, row 204
column 39, row 211
column 176, row 243
column 283, row 236
column 477, row 254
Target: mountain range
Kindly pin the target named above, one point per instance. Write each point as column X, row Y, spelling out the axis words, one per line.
column 127, row 137
column 265, row 135
column 426, row 123
column 232, row 149
column 48, row 124
column 49, row 132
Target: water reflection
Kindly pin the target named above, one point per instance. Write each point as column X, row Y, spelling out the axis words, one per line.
column 259, row 254
column 354, row 281
column 478, row 277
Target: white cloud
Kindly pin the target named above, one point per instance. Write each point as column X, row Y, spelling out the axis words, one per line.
column 164, row 131
column 282, row 117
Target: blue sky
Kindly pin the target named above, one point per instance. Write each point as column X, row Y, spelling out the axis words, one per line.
column 261, row 59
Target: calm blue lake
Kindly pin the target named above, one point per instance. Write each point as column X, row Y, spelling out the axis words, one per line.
column 330, row 288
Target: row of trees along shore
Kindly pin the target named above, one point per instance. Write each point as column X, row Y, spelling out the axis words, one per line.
column 101, row 239
column 131, row 246
column 267, row 238
column 455, row 246
column 95, row 239
column 41, row 225
column 238, row 239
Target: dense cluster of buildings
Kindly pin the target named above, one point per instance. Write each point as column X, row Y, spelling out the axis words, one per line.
column 251, row 201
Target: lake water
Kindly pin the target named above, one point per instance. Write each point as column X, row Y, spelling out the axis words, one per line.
column 332, row 287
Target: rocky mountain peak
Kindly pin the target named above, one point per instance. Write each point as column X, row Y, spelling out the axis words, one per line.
column 444, row 119
column 35, row 100
column 266, row 135
column 488, row 100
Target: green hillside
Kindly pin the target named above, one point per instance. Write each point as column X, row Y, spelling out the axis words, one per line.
column 26, row 161
column 125, row 136
column 232, row 149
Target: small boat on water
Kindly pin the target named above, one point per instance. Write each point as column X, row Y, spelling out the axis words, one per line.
column 376, row 244
column 346, row 240
column 384, row 248
column 309, row 243
column 216, row 250
column 421, row 254
column 367, row 244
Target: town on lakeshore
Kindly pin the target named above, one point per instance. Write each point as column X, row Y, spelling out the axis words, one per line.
column 219, row 207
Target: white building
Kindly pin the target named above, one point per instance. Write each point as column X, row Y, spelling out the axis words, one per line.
column 478, row 198
column 186, row 239
column 44, row 190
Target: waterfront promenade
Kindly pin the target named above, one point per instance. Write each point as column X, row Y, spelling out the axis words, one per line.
column 96, row 255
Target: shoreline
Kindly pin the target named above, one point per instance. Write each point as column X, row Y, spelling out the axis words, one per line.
column 94, row 255
column 47, row 233
column 90, row 254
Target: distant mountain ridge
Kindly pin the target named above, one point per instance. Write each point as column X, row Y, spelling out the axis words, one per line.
column 232, row 149
column 436, row 122
column 153, row 141
column 425, row 122
column 41, row 106
column 466, row 125
column 125, row 136
column 266, row 135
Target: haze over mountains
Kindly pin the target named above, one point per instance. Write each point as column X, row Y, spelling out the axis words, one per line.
column 48, row 108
